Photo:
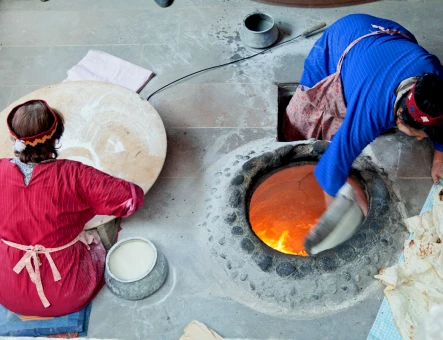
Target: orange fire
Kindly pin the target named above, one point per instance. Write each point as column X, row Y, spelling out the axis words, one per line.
column 285, row 207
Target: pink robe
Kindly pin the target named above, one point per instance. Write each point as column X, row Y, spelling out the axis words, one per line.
column 52, row 211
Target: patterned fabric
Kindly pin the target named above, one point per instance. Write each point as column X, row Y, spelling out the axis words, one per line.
column 71, row 335
column 318, row 112
column 25, row 168
column 384, row 327
column 404, row 87
column 51, row 211
column 419, row 115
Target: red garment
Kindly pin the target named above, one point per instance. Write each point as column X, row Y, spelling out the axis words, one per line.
column 51, row 211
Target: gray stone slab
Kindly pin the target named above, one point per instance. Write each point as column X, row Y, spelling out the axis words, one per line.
column 210, row 36
column 5, row 95
column 36, row 28
column 387, row 150
column 218, row 105
column 283, row 63
column 189, row 54
column 74, row 5
column 415, row 158
column 403, row 156
column 414, row 193
column 192, row 150
column 113, row 4
column 146, row 320
column 193, row 51
column 49, row 65
column 167, row 205
column 20, row 91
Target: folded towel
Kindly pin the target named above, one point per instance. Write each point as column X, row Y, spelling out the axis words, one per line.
column 101, row 66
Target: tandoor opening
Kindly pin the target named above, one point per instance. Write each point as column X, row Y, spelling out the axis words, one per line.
column 285, row 207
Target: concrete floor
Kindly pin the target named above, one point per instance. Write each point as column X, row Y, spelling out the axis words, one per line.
column 206, row 117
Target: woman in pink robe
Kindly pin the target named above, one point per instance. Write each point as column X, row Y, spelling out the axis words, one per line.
column 44, row 205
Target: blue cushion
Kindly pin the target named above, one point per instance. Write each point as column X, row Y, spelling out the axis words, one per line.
column 11, row 325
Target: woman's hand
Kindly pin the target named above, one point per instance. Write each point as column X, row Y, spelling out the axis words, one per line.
column 328, row 199
column 437, row 167
column 359, row 195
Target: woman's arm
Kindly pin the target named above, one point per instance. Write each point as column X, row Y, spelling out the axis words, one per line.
column 360, row 127
column 360, row 197
column 437, row 167
column 108, row 195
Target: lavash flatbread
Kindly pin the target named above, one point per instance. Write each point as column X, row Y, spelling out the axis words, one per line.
column 416, row 285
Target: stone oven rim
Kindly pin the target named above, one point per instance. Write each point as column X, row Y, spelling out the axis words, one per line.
column 275, row 282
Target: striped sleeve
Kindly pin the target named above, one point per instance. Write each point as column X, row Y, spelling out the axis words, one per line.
column 108, row 195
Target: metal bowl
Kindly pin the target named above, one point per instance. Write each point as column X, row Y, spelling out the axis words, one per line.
column 140, row 287
column 258, row 30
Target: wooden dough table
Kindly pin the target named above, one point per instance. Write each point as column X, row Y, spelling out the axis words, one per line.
column 106, row 126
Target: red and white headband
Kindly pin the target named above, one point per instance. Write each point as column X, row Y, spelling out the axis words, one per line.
column 418, row 115
column 22, row 142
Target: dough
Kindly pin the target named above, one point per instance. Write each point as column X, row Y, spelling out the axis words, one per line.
column 132, row 260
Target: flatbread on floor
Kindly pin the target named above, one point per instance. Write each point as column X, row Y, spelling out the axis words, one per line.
column 199, row 331
column 416, row 285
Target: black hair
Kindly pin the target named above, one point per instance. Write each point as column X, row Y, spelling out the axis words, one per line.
column 429, row 98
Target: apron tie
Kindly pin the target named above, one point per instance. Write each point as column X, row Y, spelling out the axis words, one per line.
column 318, row 112
column 391, row 31
column 32, row 262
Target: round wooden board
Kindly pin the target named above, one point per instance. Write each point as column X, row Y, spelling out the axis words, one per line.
column 106, row 126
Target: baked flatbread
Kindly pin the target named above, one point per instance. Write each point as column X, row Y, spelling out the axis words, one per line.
column 416, row 285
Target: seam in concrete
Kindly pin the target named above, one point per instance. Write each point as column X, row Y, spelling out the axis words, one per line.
column 17, row 85
column 224, row 127
column 120, row 10
column 141, row 54
column 178, row 177
column 10, row 95
column 75, row 45
column 130, row 9
column 232, row 83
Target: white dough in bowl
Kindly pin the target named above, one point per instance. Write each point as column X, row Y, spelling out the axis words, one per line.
column 132, row 260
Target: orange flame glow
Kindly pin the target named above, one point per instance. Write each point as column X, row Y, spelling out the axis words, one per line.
column 285, row 207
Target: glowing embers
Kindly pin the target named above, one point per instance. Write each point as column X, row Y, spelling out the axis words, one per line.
column 285, row 207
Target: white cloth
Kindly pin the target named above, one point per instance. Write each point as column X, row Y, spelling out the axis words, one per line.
column 101, row 66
